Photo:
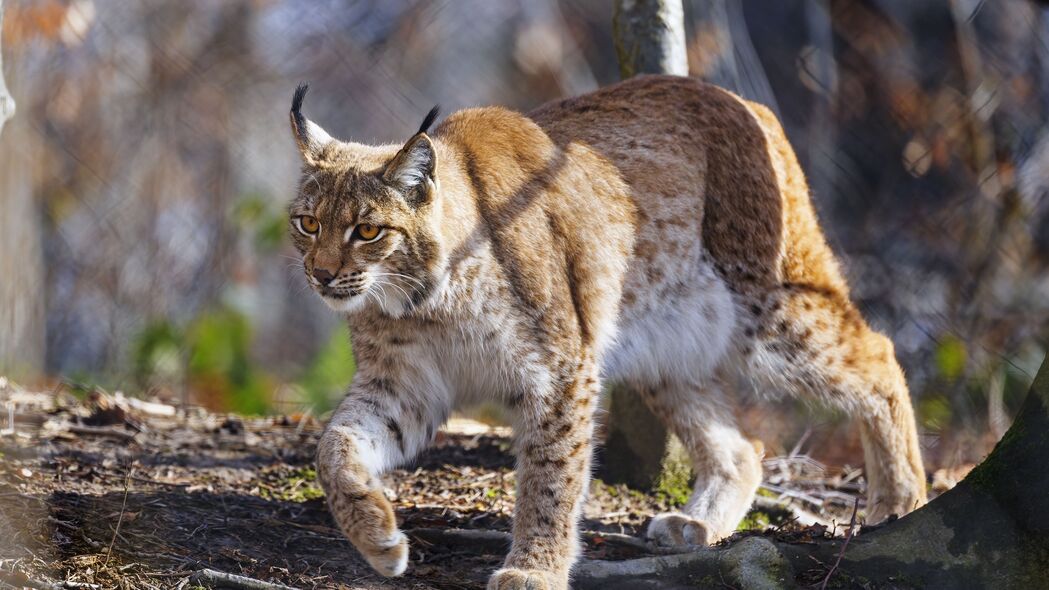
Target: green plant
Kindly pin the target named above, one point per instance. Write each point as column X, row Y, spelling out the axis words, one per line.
column 330, row 373
column 219, row 365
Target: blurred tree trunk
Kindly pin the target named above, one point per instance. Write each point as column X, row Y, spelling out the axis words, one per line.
column 7, row 102
column 21, row 293
column 649, row 37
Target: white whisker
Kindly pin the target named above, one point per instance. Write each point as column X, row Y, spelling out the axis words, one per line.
column 400, row 276
column 375, row 296
column 395, row 286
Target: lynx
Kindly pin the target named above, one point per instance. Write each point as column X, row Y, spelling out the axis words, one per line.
column 657, row 232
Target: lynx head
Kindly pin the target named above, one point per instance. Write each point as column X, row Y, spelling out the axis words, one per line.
column 365, row 219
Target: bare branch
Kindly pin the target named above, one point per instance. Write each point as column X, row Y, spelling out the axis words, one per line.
column 212, row 578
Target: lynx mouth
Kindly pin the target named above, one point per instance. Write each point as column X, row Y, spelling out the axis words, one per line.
column 339, row 294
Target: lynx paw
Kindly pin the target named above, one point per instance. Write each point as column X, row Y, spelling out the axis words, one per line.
column 673, row 528
column 903, row 500
column 367, row 520
column 514, row 579
column 388, row 557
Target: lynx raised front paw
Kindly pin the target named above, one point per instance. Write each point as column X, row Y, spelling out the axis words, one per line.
column 389, row 557
column 514, row 579
column 367, row 520
column 674, row 528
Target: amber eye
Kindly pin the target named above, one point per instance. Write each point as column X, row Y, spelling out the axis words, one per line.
column 367, row 231
column 309, row 224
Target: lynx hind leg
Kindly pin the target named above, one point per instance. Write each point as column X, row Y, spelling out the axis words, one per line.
column 727, row 465
column 815, row 343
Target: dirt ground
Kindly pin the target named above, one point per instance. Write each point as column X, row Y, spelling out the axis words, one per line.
column 114, row 493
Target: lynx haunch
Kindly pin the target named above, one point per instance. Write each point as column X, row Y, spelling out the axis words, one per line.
column 657, row 232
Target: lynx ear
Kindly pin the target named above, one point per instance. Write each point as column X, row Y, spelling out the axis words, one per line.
column 414, row 168
column 414, row 165
column 309, row 136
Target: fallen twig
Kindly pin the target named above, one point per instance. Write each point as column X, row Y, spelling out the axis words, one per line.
column 841, row 554
column 100, row 431
column 210, row 578
column 20, row 580
column 120, row 519
column 149, row 408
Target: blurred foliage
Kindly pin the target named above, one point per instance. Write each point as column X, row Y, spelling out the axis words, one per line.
column 934, row 412
column 157, row 353
column 219, row 368
column 258, row 215
column 950, row 358
column 330, row 373
column 212, row 357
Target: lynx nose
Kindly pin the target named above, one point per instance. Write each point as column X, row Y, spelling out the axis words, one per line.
column 323, row 275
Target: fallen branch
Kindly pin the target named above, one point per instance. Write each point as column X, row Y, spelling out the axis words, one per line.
column 478, row 540
column 636, row 543
column 498, row 541
column 99, row 431
column 148, row 408
column 210, row 578
column 752, row 562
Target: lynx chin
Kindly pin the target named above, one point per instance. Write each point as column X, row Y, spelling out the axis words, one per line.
column 657, row 232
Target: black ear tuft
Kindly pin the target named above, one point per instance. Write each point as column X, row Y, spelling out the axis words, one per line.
column 296, row 104
column 430, row 118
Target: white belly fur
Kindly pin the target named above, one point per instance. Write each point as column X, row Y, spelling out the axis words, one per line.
column 681, row 338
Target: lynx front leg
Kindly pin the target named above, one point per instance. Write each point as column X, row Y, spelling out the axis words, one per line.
column 379, row 425
column 553, row 468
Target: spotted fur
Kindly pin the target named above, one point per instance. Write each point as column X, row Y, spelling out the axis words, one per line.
column 657, row 232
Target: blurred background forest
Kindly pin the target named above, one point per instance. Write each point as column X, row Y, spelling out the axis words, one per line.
column 144, row 177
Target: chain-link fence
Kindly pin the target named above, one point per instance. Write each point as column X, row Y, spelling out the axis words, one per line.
column 145, row 175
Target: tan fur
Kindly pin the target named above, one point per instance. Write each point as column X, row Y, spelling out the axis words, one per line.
column 658, row 232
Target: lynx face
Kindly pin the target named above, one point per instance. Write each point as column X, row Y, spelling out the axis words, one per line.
column 364, row 220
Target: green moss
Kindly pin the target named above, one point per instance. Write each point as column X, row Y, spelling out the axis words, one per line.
column 709, row 581
column 675, row 484
column 299, row 485
column 755, row 520
column 993, row 468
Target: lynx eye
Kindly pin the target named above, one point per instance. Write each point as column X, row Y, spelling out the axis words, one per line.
column 368, row 232
column 309, row 224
